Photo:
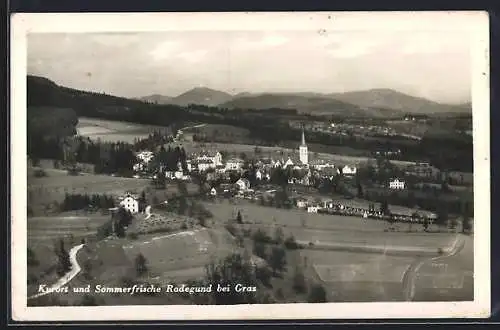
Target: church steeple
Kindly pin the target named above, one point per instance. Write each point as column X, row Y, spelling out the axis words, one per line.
column 303, row 152
column 303, row 137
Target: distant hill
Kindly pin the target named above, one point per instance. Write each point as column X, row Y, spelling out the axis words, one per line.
column 156, row 98
column 303, row 102
column 201, row 96
column 390, row 99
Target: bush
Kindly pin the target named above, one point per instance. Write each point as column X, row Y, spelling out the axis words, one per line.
column 317, row 294
column 40, row 173
column 261, row 236
column 299, row 282
column 133, row 236
column 291, row 244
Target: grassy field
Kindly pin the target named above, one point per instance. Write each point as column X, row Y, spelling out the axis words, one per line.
column 43, row 235
column 449, row 278
column 52, row 188
column 113, row 131
column 47, row 228
column 295, row 218
column 182, row 254
column 221, row 133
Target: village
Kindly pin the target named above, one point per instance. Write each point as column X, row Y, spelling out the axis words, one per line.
column 289, row 182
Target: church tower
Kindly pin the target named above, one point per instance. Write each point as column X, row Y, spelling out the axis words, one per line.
column 303, row 153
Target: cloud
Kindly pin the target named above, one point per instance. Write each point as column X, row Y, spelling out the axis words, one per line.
column 353, row 49
column 268, row 41
column 422, row 44
column 193, row 56
column 164, row 50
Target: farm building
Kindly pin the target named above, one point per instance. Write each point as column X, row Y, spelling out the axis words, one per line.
column 234, row 164
column 243, row 184
column 130, row 203
column 396, row 184
column 349, row 170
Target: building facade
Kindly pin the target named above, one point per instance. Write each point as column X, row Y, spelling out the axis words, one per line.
column 130, row 203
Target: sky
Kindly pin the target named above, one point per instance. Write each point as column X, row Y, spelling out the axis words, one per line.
column 435, row 65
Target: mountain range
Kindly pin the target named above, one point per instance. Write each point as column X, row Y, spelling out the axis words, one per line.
column 373, row 101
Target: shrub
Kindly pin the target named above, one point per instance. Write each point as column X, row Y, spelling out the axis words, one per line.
column 317, row 294
column 291, row 244
column 40, row 173
column 133, row 236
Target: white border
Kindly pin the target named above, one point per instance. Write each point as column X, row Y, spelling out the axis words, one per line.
column 474, row 23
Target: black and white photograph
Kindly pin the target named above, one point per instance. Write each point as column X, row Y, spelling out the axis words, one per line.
column 250, row 165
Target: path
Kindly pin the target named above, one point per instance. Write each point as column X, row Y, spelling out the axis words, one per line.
column 75, row 269
column 412, row 272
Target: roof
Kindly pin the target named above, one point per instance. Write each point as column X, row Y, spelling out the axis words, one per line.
column 205, row 161
column 235, row 160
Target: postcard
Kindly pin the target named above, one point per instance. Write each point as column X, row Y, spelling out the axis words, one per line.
column 250, row 166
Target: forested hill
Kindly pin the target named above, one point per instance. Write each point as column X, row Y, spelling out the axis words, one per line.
column 44, row 93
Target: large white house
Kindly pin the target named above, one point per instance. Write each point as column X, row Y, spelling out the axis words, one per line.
column 234, row 164
column 396, row 184
column 215, row 158
column 205, row 164
column 349, row 170
column 145, row 156
column 130, row 203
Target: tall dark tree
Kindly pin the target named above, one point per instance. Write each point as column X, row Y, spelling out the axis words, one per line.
column 277, row 260
column 230, row 271
column 64, row 262
column 141, row 264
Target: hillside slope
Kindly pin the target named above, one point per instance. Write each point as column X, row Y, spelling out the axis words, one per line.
column 201, row 96
column 390, row 99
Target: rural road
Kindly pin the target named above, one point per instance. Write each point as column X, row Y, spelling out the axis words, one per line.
column 75, row 269
column 412, row 272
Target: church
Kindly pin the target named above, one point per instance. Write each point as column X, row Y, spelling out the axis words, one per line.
column 303, row 153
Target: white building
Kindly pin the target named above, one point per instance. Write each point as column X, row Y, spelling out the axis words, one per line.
column 312, row 209
column 145, row 156
column 288, row 162
column 396, row 184
column 234, row 164
column 303, row 152
column 349, row 170
column 301, row 203
column 204, row 165
column 138, row 167
column 215, row 158
column 130, row 203
column 243, row 184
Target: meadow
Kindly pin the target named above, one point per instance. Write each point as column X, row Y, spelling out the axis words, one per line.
column 43, row 233
column 44, row 191
column 113, row 131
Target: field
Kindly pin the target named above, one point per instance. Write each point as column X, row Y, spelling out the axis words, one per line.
column 221, row 133
column 300, row 219
column 449, row 278
column 53, row 187
column 182, row 255
column 49, row 228
column 113, row 131
column 43, row 234
column 359, row 276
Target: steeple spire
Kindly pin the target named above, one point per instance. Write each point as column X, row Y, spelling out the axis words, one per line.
column 303, row 137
